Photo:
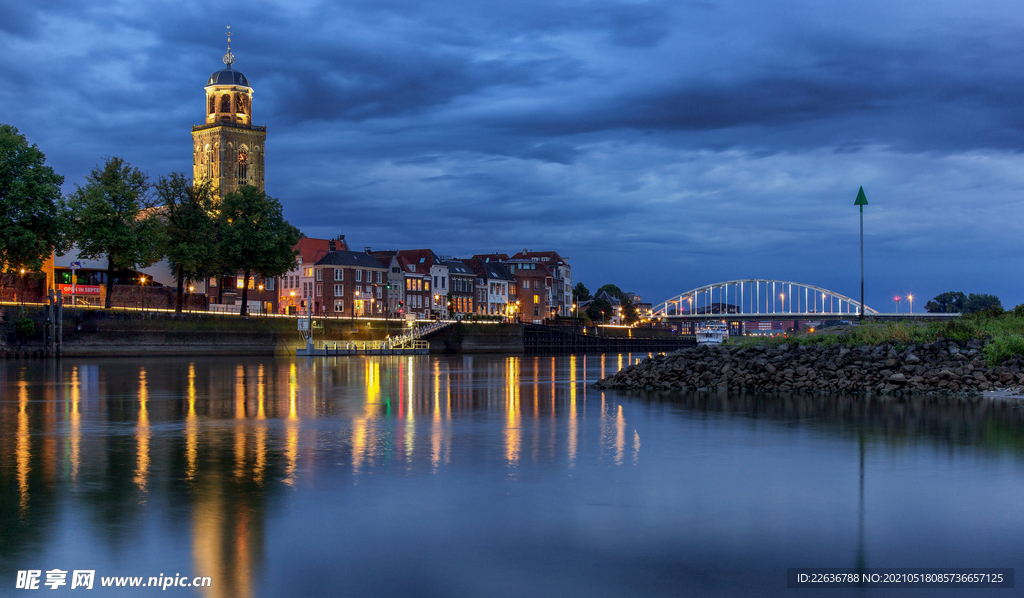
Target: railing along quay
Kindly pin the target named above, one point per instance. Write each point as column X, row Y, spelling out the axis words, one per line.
column 552, row 339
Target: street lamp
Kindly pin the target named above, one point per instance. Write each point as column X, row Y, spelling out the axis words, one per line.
column 911, row 297
column 783, row 297
column 897, row 300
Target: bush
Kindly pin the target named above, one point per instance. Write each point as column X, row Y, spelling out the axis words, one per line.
column 1019, row 311
column 25, row 328
column 1003, row 346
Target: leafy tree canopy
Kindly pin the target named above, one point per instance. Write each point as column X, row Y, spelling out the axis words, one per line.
column 982, row 302
column 255, row 237
column 957, row 302
column 595, row 309
column 114, row 219
column 581, row 292
column 612, row 290
column 32, row 221
column 192, row 247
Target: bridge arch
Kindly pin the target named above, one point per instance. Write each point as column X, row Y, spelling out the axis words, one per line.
column 755, row 296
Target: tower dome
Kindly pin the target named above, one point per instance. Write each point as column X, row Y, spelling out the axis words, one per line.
column 228, row 76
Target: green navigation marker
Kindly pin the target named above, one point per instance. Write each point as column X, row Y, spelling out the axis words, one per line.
column 862, row 200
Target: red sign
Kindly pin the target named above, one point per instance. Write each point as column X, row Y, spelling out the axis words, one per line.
column 80, row 289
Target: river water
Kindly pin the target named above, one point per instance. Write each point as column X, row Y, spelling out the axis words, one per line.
column 485, row 476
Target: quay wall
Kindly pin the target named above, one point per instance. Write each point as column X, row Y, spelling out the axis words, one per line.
column 90, row 333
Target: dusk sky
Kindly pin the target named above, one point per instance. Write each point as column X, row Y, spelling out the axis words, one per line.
column 659, row 146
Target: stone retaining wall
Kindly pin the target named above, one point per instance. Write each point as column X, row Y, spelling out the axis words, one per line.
column 947, row 366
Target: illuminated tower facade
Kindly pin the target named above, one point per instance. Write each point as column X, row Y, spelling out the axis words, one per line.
column 228, row 149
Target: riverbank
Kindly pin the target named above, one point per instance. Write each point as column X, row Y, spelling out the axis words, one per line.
column 940, row 366
column 124, row 333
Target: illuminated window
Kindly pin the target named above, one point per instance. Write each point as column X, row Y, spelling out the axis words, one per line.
column 426, row 285
column 339, row 306
column 408, row 284
column 252, row 283
column 239, row 282
column 536, row 298
column 243, row 167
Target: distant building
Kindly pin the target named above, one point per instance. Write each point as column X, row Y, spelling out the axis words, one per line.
column 349, row 283
column 560, row 287
column 461, row 286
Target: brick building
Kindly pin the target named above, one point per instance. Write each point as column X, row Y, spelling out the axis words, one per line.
column 349, row 283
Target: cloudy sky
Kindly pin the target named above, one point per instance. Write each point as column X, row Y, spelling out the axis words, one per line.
column 658, row 145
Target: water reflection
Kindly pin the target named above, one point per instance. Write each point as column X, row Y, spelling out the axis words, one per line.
column 222, row 443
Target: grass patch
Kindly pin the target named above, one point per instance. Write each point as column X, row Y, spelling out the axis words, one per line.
column 1002, row 333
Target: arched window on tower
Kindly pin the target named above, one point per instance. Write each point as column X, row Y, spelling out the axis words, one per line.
column 243, row 167
column 213, row 104
column 241, row 108
column 225, row 103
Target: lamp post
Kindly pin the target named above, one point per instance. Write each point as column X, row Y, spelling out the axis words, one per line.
column 783, row 297
column 911, row 298
column 897, row 299
column 261, row 300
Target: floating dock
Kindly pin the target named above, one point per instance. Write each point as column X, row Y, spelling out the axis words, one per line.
column 343, row 348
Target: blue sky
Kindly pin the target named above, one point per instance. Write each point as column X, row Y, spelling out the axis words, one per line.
column 659, row 145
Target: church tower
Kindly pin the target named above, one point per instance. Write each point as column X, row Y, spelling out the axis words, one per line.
column 228, row 149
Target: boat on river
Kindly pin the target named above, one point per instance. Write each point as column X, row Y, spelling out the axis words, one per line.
column 712, row 334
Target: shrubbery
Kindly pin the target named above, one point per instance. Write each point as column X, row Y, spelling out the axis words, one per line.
column 1003, row 333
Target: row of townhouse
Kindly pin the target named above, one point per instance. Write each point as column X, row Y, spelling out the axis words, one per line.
column 331, row 279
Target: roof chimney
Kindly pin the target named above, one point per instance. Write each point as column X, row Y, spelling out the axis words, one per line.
column 367, row 249
column 330, row 245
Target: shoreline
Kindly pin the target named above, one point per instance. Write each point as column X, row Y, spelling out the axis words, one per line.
column 944, row 366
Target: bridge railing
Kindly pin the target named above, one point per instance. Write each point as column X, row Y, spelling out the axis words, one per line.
column 756, row 296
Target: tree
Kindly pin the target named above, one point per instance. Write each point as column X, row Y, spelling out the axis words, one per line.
column 114, row 219
column 255, row 237
column 629, row 315
column 612, row 290
column 599, row 310
column 982, row 302
column 580, row 293
column 191, row 245
column 33, row 222
column 948, row 302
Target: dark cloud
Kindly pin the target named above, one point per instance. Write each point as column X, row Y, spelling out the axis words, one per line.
column 659, row 145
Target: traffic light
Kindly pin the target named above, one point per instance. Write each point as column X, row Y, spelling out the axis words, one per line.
column 389, row 286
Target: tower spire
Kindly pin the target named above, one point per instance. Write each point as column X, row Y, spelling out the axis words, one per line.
column 229, row 58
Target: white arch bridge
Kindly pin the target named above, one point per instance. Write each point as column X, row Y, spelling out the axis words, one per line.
column 758, row 298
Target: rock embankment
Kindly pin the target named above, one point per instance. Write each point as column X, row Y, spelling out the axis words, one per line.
column 947, row 366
